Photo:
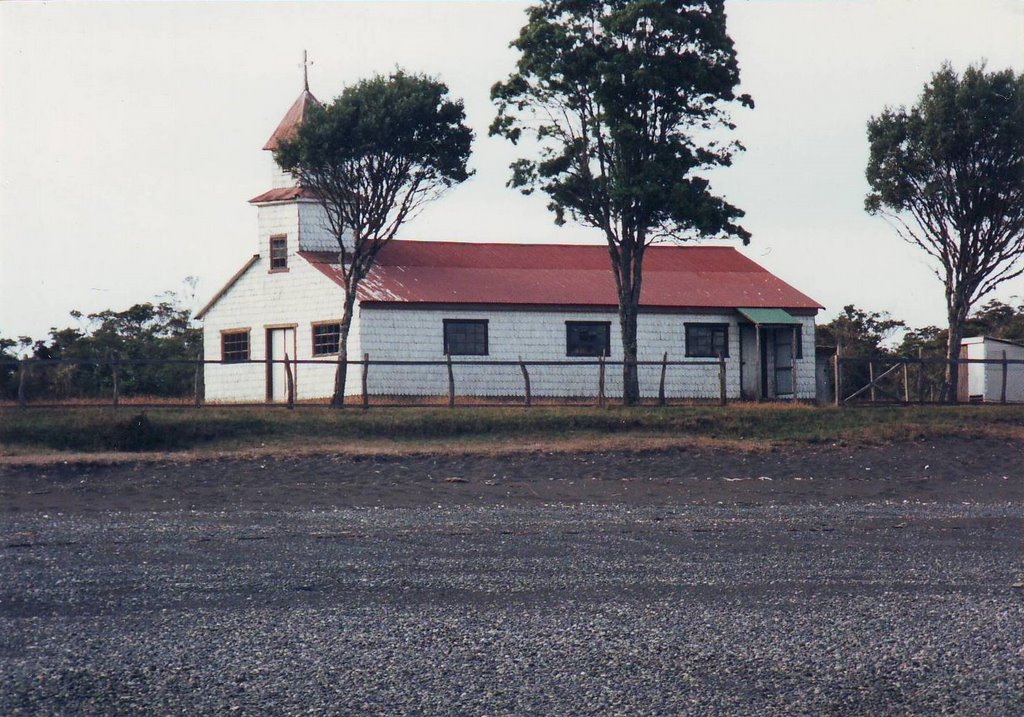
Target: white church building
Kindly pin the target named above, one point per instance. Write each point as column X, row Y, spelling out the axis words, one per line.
column 487, row 301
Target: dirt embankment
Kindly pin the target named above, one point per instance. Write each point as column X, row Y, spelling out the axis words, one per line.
column 946, row 470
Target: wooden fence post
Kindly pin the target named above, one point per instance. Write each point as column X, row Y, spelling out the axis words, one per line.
column 451, row 382
column 600, row 381
column 906, row 382
column 365, row 381
column 837, row 380
column 290, row 382
column 1002, row 390
column 661, row 384
column 920, row 375
column 526, row 381
column 871, row 379
column 114, row 360
column 22, row 370
column 762, row 378
column 792, row 362
column 197, row 394
column 721, row 380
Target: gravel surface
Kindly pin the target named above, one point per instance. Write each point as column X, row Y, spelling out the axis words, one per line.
column 926, row 470
column 864, row 607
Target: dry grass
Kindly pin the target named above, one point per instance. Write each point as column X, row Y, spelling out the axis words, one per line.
column 47, row 435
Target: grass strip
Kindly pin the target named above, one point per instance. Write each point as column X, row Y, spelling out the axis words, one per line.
column 105, row 430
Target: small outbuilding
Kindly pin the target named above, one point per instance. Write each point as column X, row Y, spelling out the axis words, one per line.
column 985, row 381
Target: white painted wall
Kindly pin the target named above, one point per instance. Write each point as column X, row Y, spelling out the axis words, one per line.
column 260, row 299
column 388, row 332
column 303, row 222
column 278, row 177
column 314, row 231
column 986, row 379
column 275, row 220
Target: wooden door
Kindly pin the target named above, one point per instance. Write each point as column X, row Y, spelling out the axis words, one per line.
column 782, row 348
column 280, row 344
column 750, row 368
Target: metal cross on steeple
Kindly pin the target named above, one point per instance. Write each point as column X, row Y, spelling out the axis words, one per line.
column 305, row 71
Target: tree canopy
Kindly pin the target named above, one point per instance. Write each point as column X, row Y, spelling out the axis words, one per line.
column 859, row 332
column 625, row 102
column 139, row 337
column 621, row 97
column 948, row 173
column 373, row 157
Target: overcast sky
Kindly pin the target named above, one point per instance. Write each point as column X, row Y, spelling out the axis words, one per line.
column 130, row 136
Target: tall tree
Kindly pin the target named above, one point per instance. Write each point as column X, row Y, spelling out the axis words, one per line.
column 626, row 100
column 858, row 332
column 949, row 175
column 373, row 157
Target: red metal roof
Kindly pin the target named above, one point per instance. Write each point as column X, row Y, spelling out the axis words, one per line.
column 292, row 119
column 413, row 272
column 283, row 194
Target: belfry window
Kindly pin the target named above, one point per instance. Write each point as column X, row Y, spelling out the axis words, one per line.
column 278, row 253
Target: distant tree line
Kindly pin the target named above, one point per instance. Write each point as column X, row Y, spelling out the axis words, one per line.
column 151, row 332
column 148, row 332
column 868, row 334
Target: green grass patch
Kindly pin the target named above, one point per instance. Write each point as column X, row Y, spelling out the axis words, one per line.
column 178, row 429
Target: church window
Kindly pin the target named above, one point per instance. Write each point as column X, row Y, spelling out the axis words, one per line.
column 707, row 340
column 278, row 253
column 588, row 338
column 465, row 337
column 234, row 346
column 326, row 338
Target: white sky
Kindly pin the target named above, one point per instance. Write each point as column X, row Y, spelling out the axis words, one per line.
column 130, row 136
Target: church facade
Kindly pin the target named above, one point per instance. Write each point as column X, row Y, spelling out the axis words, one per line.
column 482, row 302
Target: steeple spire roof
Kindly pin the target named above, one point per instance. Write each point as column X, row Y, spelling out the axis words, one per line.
column 293, row 118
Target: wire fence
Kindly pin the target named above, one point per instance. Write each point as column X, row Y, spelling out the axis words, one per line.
column 181, row 382
column 156, row 383
column 922, row 380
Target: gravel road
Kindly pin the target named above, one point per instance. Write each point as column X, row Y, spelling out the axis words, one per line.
column 895, row 606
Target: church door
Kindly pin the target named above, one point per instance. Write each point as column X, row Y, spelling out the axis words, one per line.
column 782, row 340
column 750, row 364
column 280, row 344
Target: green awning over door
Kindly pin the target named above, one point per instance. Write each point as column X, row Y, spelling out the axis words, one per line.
column 769, row 317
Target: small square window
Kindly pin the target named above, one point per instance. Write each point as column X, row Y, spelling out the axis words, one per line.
column 326, row 339
column 234, row 346
column 278, row 253
column 465, row 337
column 707, row 340
column 588, row 338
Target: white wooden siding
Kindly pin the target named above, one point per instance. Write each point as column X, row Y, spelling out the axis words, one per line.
column 986, row 380
column 301, row 296
column 278, row 220
column 389, row 332
column 315, row 232
column 281, row 178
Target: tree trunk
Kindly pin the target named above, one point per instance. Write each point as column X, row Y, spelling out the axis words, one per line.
column 951, row 384
column 630, row 376
column 341, row 375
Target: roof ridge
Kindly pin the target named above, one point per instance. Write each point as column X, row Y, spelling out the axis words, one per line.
column 547, row 244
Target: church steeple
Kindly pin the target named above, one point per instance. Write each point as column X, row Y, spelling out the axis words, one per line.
column 289, row 211
column 296, row 113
